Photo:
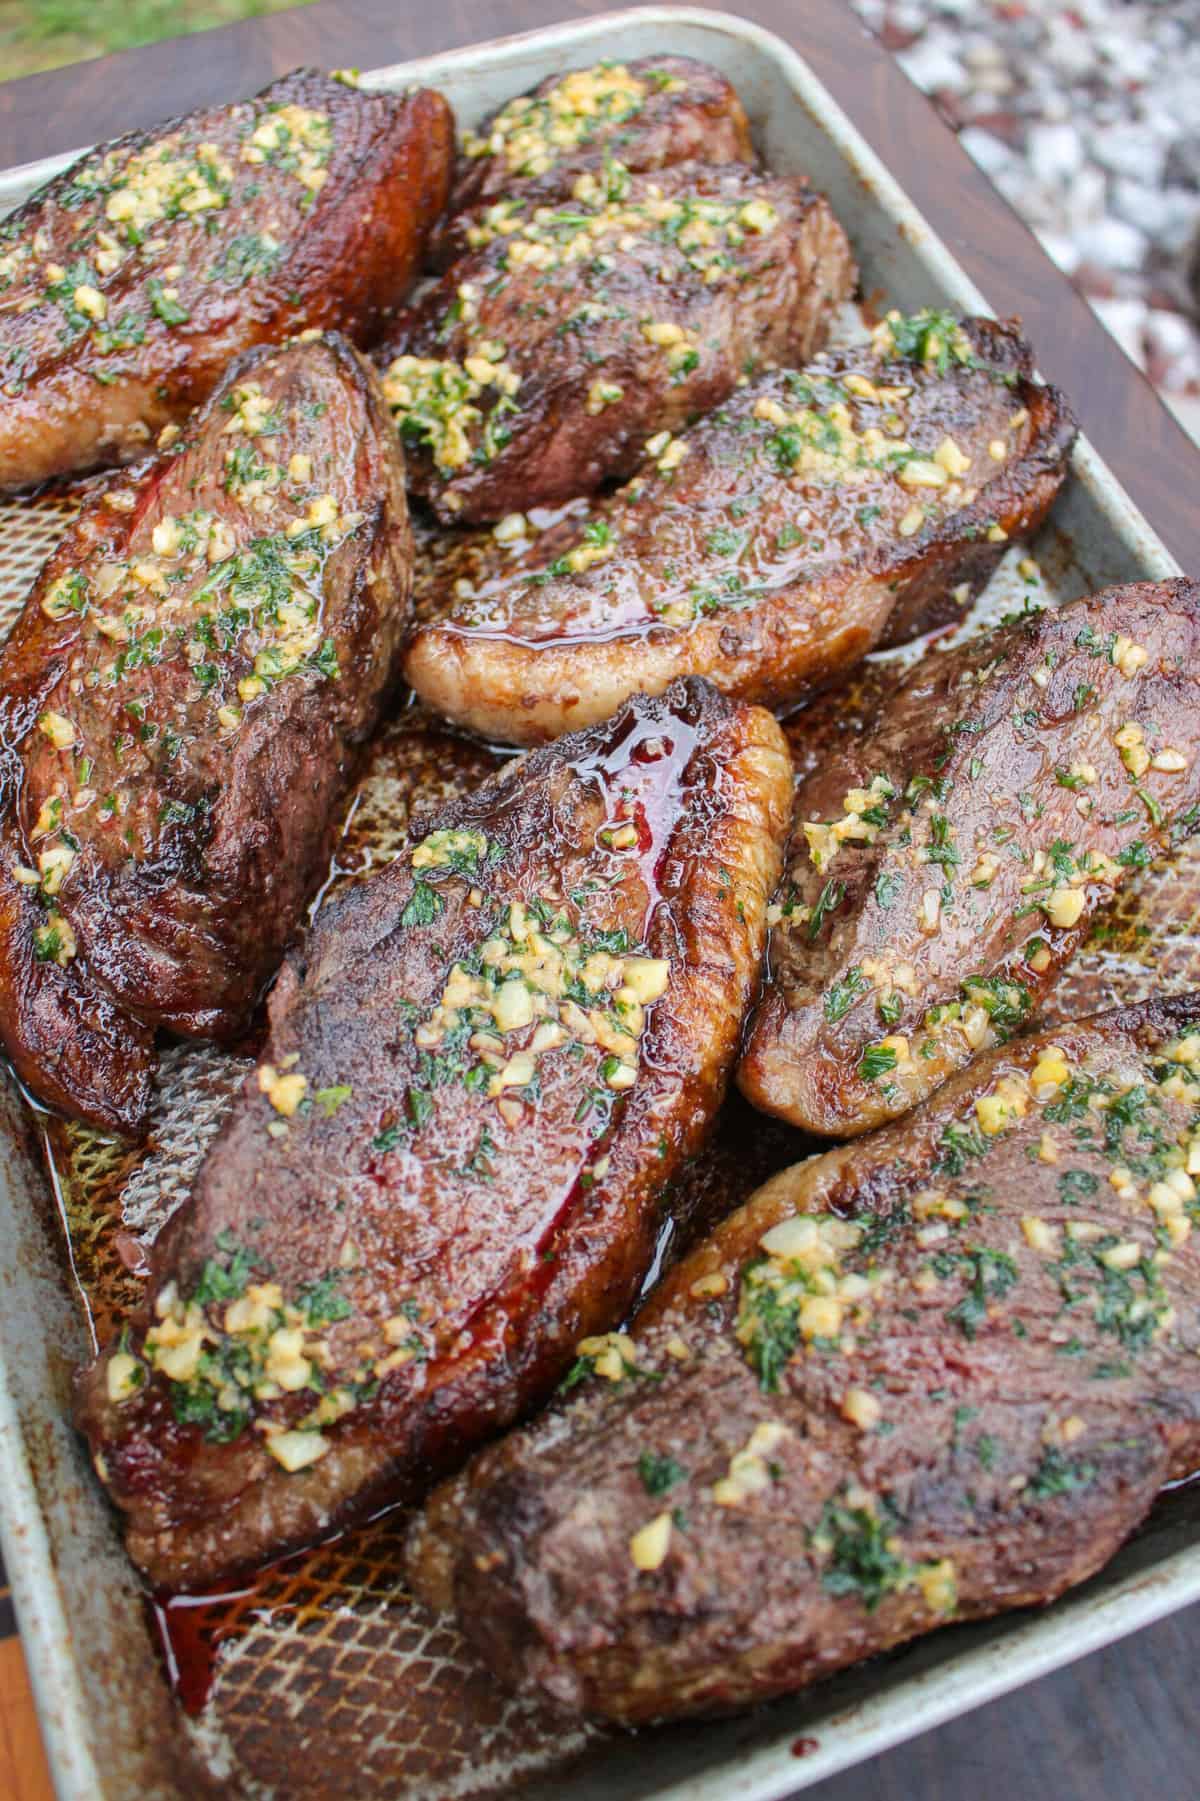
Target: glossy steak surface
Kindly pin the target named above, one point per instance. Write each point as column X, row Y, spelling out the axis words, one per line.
column 933, row 1375
column 948, row 863
column 815, row 515
column 570, row 333
column 180, row 705
column 481, row 1075
column 129, row 282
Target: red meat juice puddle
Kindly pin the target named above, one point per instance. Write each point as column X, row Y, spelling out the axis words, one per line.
column 189, row 1631
column 190, row 1627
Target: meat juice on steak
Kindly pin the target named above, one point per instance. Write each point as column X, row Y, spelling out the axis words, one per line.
column 181, row 702
column 482, row 1073
column 130, row 281
column 946, row 864
column 816, row 515
column 930, row 1376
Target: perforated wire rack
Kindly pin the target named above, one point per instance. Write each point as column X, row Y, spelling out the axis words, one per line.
column 323, row 1665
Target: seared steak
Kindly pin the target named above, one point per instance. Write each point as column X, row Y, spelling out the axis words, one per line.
column 179, row 702
column 545, row 357
column 130, row 281
column 645, row 115
column 479, row 1077
column 813, row 516
column 946, row 864
column 926, row 1377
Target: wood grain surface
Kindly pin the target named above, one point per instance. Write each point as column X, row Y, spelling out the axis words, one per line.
column 1119, row 1725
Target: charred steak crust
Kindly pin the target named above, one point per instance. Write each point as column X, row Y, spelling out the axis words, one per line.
column 947, row 864
column 129, row 282
column 480, row 1077
column 646, row 114
column 180, row 702
column 930, row 1376
column 567, row 335
column 814, row 516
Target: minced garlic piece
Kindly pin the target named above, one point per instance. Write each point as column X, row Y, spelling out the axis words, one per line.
column 1008, row 1102
column 1039, row 1235
column 862, row 1408
column 1064, row 906
column 1130, row 740
column 285, row 1092
column 749, row 1469
column 938, row 1586
column 89, row 301
column 824, row 840
column 648, row 1548
column 53, row 865
column 123, row 1377
column 1051, row 1069
column 952, row 458
column 296, row 1450
column 441, row 849
column 602, row 394
column 1127, row 656
column 920, row 473
column 58, row 729
column 54, row 940
column 612, row 1354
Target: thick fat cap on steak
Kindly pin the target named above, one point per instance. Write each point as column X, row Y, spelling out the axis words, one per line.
column 817, row 514
column 482, row 1075
column 933, row 1375
column 130, row 281
column 181, row 702
column 948, row 862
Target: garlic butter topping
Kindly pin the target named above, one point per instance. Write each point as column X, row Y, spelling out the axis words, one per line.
column 539, row 970
column 821, row 1281
column 532, row 132
column 435, row 401
column 232, row 601
column 236, row 1346
column 958, row 862
column 461, row 407
column 132, row 246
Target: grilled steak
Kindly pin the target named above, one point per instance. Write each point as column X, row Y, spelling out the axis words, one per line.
column 945, row 865
column 814, row 516
column 645, row 115
column 929, row 1376
column 542, row 361
column 130, row 281
column 179, row 702
column 479, row 1077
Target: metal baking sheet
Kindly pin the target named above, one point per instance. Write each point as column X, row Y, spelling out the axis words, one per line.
column 324, row 1667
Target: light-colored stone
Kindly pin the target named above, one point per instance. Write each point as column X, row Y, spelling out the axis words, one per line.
column 1088, row 125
